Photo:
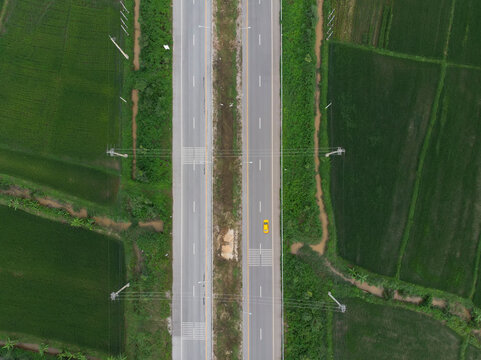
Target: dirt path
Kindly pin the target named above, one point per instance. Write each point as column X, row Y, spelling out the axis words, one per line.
column 36, row 348
column 135, row 110
column 320, row 248
column 136, row 35
column 135, row 92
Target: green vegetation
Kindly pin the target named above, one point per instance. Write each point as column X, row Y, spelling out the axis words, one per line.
column 59, row 90
column 370, row 331
column 420, row 27
column 301, row 213
column 472, row 353
column 380, row 115
column 56, row 282
column 227, row 183
column 149, row 255
column 445, row 235
column 465, row 43
column 408, row 26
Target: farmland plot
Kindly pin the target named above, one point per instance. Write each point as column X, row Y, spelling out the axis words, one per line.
column 465, row 42
column 443, row 241
column 56, row 282
column 370, row 331
column 409, row 26
column 380, row 111
column 59, row 92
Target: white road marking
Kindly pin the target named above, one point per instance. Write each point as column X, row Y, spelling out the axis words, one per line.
column 193, row 122
column 259, row 39
column 260, row 120
column 193, row 248
column 260, row 291
column 193, row 39
column 193, row 81
column 260, row 81
column 260, row 334
column 260, row 206
column 193, row 206
column 260, row 164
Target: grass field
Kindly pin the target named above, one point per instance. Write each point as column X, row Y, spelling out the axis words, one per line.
column 472, row 353
column 378, row 332
column 465, row 42
column 60, row 82
column 56, row 282
column 446, row 231
column 380, row 111
column 408, row 26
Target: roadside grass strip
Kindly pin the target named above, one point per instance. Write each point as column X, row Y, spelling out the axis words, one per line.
column 56, row 283
column 59, row 92
column 380, row 112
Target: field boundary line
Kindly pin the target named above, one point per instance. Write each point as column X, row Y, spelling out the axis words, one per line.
column 419, row 171
column 3, row 11
column 448, row 35
column 476, row 270
column 389, row 52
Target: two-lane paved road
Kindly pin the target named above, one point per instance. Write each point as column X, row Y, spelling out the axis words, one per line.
column 192, row 186
column 261, row 147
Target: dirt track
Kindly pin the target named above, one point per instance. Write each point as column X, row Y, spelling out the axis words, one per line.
column 135, row 92
column 320, row 248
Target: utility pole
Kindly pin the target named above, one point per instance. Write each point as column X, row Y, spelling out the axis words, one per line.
column 339, row 151
column 112, row 153
column 115, row 295
column 341, row 306
column 118, row 47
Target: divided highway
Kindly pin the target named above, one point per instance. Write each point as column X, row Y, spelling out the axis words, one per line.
column 192, row 185
column 262, row 320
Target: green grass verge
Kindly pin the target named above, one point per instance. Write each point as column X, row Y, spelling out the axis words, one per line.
column 442, row 246
column 380, row 115
column 301, row 213
column 56, row 282
column 60, row 84
column 371, row 331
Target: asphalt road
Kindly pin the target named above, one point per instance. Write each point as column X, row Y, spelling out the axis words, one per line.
column 262, row 325
column 192, row 185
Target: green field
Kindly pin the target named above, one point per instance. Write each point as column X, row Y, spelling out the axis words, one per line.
column 465, row 42
column 473, row 353
column 446, row 231
column 380, row 112
column 378, row 332
column 59, row 92
column 409, row 26
column 56, row 282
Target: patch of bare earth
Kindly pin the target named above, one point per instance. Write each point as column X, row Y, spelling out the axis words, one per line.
column 135, row 92
column 155, row 225
column 410, row 299
column 139, row 260
column 321, row 247
column 295, row 247
column 109, row 223
column 54, row 204
column 135, row 110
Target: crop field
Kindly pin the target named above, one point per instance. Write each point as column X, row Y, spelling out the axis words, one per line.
column 442, row 249
column 56, row 282
column 371, row 331
column 59, row 92
column 380, row 112
column 465, row 42
column 409, row 26
column 473, row 353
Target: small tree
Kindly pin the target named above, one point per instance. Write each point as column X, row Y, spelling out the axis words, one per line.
column 42, row 349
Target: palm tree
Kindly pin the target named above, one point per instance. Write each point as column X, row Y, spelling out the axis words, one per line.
column 76, row 222
column 42, row 349
column 9, row 344
column 362, row 277
column 14, row 204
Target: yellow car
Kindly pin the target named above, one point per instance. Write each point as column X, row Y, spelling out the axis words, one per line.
column 266, row 226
